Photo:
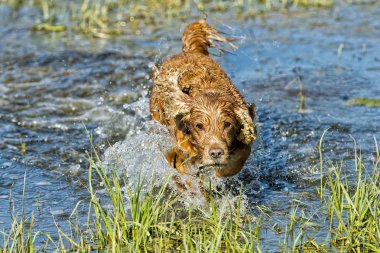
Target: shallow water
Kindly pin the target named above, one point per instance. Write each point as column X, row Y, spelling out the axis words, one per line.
column 55, row 86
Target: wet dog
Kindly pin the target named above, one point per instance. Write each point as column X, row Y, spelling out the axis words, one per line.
column 212, row 124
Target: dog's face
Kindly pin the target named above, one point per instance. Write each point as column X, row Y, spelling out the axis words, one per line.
column 212, row 127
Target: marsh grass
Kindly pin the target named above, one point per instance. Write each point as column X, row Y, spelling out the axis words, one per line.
column 21, row 238
column 106, row 18
column 354, row 208
column 155, row 220
column 149, row 218
column 351, row 205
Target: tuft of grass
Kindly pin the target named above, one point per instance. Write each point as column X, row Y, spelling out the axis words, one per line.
column 156, row 221
column 351, row 208
column 21, row 238
column 22, row 146
column 301, row 107
column 369, row 102
column 339, row 51
column 49, row 27
column 354, row 210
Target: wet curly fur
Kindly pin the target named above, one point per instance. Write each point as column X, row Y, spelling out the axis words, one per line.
column 193, row 95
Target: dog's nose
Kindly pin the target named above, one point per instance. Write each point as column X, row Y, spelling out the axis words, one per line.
column 216, row 152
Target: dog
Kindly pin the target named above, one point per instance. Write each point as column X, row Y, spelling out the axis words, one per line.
column 212, row 124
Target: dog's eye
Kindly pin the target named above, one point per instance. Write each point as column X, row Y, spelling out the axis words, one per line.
column 227, row 125
column 199, row 126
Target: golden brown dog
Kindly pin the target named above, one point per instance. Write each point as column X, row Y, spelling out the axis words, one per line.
column 192, row 94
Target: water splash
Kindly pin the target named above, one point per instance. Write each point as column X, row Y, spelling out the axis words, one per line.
column 140, row 161
column 141, row 155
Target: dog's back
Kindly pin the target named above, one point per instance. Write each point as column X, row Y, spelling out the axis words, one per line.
column 199, row 72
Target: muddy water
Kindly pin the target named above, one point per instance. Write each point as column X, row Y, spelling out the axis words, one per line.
column 55, row 86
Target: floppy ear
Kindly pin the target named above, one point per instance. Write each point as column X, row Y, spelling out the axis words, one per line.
column 182, row 123
column 245, row 117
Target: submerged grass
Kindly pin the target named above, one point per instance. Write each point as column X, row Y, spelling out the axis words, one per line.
column 154, row 219
column 369, row 102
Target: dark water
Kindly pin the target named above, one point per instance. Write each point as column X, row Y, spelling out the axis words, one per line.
column 54, row 86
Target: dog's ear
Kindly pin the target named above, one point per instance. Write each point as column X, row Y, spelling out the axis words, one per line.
column 182, row 123
column 245, row 115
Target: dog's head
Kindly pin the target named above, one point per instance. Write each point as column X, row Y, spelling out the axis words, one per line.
column 214, row 123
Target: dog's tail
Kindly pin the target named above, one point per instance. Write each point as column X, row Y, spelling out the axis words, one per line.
column 199, row 36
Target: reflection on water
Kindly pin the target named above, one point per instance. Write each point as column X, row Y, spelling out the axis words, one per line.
column 54, row 86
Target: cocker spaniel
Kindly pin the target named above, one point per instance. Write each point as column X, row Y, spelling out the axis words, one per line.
column 212, row 124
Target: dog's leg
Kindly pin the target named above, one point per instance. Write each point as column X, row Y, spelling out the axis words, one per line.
column 177, row 160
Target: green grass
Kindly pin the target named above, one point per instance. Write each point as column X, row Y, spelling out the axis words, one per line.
column 153, row 224
column 106, row 18
column 354, row 210
column 351, row 206
column 157, row 221
column 21, row 238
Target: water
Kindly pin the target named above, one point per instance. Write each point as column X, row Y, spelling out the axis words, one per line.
column 55, row 86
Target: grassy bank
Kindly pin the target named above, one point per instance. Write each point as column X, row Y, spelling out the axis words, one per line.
column 104, row 18
column 157, row 221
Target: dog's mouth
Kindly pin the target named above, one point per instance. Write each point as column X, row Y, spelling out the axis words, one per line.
column 206, row 168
